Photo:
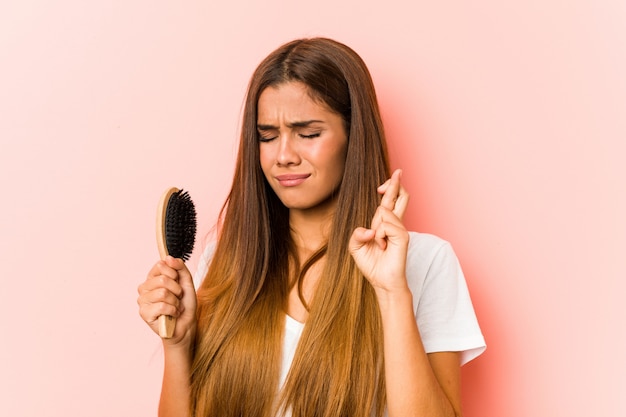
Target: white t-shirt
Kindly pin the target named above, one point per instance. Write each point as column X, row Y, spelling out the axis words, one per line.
column 443, row 309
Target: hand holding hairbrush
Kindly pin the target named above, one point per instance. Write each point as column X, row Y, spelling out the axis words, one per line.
column 175, row 234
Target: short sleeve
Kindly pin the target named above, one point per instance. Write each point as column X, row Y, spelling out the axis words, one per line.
column 443, row 307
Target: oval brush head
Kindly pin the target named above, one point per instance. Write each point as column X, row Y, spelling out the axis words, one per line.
column 180, row 225
column 176, row 234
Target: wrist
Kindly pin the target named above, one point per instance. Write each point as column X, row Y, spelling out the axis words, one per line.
column 183, row 344
column 394, row 297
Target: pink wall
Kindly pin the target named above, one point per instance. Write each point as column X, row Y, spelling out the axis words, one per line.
column 509, row 119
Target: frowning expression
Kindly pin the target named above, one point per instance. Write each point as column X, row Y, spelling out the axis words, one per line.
column 302, row 146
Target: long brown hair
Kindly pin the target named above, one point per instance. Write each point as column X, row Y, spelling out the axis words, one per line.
column 338, row 366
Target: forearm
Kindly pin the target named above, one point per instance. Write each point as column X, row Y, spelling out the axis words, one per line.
column 176, row 382
column 412, row 387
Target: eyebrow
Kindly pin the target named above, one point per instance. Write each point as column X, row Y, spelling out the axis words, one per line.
column 304, row 123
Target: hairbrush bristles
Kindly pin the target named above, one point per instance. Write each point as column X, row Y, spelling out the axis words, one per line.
column 180, row 225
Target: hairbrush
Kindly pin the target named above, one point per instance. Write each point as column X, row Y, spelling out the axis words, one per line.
column 176, row 234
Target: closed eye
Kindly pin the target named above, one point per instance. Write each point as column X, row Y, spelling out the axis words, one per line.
column 311, row 136
column 266, row 139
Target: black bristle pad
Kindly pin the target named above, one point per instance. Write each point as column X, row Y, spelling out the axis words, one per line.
column 180, row 225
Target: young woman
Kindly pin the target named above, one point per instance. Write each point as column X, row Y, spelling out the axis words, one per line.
column 315, row 300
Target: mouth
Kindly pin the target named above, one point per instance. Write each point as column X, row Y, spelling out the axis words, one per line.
column 291, row 180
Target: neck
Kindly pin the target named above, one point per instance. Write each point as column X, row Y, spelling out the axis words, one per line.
column 310, row 228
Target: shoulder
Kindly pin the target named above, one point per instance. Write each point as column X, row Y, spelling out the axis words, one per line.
column 424, row 249
column 431, row 264
column 425, row 242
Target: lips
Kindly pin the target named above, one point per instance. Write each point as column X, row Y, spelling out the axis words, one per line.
column 291, row 180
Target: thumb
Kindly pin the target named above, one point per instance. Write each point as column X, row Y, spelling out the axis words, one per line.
column 360, row 237
column 184, row 276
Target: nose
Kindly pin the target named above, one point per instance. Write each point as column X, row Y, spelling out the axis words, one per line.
column 287, row 151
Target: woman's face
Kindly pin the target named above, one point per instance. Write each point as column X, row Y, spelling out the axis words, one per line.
column 302, row 146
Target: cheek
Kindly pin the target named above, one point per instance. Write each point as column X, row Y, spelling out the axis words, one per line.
column 330, row 154
column 339, row 159
column 334, row 163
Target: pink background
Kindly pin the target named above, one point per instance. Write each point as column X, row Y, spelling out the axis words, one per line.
column 508, row 117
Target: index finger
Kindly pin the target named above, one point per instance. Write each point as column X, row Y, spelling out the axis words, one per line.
column 402, row 201
column 395, row 197
column 391, row 190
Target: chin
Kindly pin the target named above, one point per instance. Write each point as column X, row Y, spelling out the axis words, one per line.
column 291, row 205
column 310, row 205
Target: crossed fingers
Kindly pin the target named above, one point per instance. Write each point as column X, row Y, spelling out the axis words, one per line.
column 393, row 204
column 395, row 198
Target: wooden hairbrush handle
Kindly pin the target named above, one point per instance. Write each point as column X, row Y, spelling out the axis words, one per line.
column 167, row 324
